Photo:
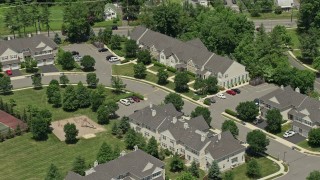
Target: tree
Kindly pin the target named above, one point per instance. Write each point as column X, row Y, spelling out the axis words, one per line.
column 176, row 164
column 45, row 17
column 130, row 139
column 175, row 99
column 229, row 175
column 314, row 137
column 124, row 124
column 106, row 35
column 92, row 80
column 257, row 141
column 64, row 80
column 247, row 111
column 116, row 152
column 144, row 57
column 31, row 65
column 66, row 60
column 39, row 128
column 309, row 44
column 181, row 82
column 274, row 120
column 314, row 175
column 79, row 166
column 131, row 48
column 308, row 15
column 140, row 71
column 303, row 79
column 194, row 170
column 105, row 153
column 17, row 131
column 152, row 147
column 316, row 63
column 162, row 76
column 214, row 171
column 278, row 10
column 83, row 95
column 71, row 133
column 36, row 81
column 205, row 86
column 103, row 116
column 97, row 100
column 115, row 42
column 186, row 176
column 51, row 89
column 117, row 84
column 202, row 111
column 75, row 18
column 87, row 62
column 53, row 173
column 114, row 128
column 56, row 99
column 253, row 169
column 229, row 125
column 111, row 108
column 57, row 39
column 70, row 102
column 5, row 84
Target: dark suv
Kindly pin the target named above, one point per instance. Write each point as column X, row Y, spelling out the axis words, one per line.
column 236, row 90
column 114, row 27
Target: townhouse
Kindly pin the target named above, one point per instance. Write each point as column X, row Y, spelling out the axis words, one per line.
column 136, row 165
column 192, row 56
column 189, row 137
column 14, row 51
column 303, row 111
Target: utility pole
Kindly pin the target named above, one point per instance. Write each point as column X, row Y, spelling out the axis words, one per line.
column 291, row 11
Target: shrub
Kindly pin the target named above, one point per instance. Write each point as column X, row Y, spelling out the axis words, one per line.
column 230, row 112
column 278, row 10
column 196, row 98
column 191, row 74
column 171, row 69
column 156, row 63
column 140, row 96
column 207, row 102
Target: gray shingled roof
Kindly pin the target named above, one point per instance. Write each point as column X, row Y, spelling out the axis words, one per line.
column 134, row 163
column 227, row 145
column 193, row 50
column 163, row 112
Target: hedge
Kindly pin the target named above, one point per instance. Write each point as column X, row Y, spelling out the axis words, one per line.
column 230, row 112
column 207, row 102
column 156, row 63
column 191, row 74
column 171, row 69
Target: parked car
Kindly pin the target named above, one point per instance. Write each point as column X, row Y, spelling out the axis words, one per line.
column 231, row 92
column 243, row 123
column 256, row 101
column 130, row 100
column 257, row 121
column 77, row 58
column 9, row 72
column 289, row 133
column 102, row 50
column 136, row 99
column 74, row 53
column 212, row 100
column 221, row 96
column 125, row 102
column 114, row 27
column 236, row 90
column 112, row 58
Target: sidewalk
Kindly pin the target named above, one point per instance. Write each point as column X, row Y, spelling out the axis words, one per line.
column 274, row 137
column 277, row 174
column 47, row 74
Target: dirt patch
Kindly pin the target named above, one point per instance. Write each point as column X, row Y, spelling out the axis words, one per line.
column 87, row 127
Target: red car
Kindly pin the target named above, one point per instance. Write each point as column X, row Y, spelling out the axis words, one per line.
column 136, row 99
column 231, row 92
column 9, row 72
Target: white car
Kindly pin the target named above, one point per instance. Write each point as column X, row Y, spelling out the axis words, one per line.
column 125, row 102
column 289, row 133
column 113, row 59
column 77, row 58
column 221, row 96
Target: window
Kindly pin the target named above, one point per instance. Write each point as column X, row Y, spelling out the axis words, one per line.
column 234, row 160
column 171, row 148
column 13, row 56
column 188, row 157
column 164, row 145
column 226, row 75
column 4, row 57
column 172, row 141
column 163, row 137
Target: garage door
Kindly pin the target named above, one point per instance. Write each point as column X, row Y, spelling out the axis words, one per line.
column 5, row 67
column 15, row 66
column 49, row 61
column 40, row 63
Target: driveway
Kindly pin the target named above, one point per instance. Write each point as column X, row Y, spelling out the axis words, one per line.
column 48, row 68
column 262, row 125
column 15, row 73
column 295, row 138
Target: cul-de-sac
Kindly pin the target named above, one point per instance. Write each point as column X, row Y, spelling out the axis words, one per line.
column 159, row 89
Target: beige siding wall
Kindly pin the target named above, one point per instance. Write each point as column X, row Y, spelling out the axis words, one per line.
column 235, row 75
column 191, row 66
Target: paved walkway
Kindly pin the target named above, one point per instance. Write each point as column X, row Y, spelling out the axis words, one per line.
column 277, row 174
column 306, row 66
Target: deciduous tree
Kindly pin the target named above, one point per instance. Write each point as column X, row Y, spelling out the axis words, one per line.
column 152, row 147
column 247, row 111
column 87, row 62
column 83, row 95
column 131, row 48
column 175, row 99
column 314, row 137
column 144, row 57
column 64, row 80
column 204, row 112
column 70, row 102
column 274, row 120
column 176, row 164
column 140, row 71
column 314, row 175
column 257, row 141
column 102, row 115
column 229, row 125
column 36, row 81
column 162, row 76
column 124, row 124
column 117, row 84
column 253, row 169
column 71, row 133
column 38, row 128
column 181, row 82
column 5, row 84
column 92, row 80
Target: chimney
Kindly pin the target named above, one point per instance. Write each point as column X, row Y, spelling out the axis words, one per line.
column 297, row 90
column 174, row 120
column 150, row 105
column 154, row 112
column 282, row 87
column 203, row 137
column 185, row 125
column 135, row 147
column 122, row 153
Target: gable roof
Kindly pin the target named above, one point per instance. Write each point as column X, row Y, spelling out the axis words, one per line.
column 111, row 6
column 136, row 163
column 285, row 3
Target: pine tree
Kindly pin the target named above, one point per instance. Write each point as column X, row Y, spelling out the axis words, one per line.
column 105, row 153
column 116, row 152
column 194, row 170
column 79, row 166
column 18, row 130
column 119, row 133
column 152, row 147
column 53, row 173
column 214, row 171
column 114, row 128
column 130, row 139
column 124, row 124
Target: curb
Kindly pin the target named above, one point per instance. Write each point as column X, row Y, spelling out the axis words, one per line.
column 297, row 60
column 275, row 175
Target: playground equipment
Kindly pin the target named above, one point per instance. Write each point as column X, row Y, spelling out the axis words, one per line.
column 85, row 123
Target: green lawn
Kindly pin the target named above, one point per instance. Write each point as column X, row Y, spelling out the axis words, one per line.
column 175, row 175
column 125, row 70
column 272, row 15
column 305, row 145
column 297, row 53
column 27, row 159
column 294, row 38
column 284, row 128
column 267, row 167
column 155, row 68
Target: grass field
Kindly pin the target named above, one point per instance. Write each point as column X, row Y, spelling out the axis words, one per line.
column 266, row 165
column 294, row 38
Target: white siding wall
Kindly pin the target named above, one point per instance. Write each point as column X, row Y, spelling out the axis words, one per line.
column 234, row 75
column 227, row 164
column 162, row 58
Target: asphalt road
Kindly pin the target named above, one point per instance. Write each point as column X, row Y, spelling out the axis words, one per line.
column 270, row 24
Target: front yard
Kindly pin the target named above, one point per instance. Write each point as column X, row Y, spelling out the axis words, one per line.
column 304, row 144
column 284, row 128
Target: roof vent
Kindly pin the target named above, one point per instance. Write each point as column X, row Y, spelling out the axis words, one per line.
column 203, row 137
column 154, row 112
column 297, row 90
column 174, row 120
column 185, row 125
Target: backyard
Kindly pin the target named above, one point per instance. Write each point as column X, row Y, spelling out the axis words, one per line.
column 175, row 175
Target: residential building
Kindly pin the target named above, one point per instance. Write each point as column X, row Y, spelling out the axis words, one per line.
column 189, row 137
column 136, row 165
column 38, row 47
column 200, row 2
column 110, row 11
column 285, row 4
column 303, row 111
column 192, row 56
